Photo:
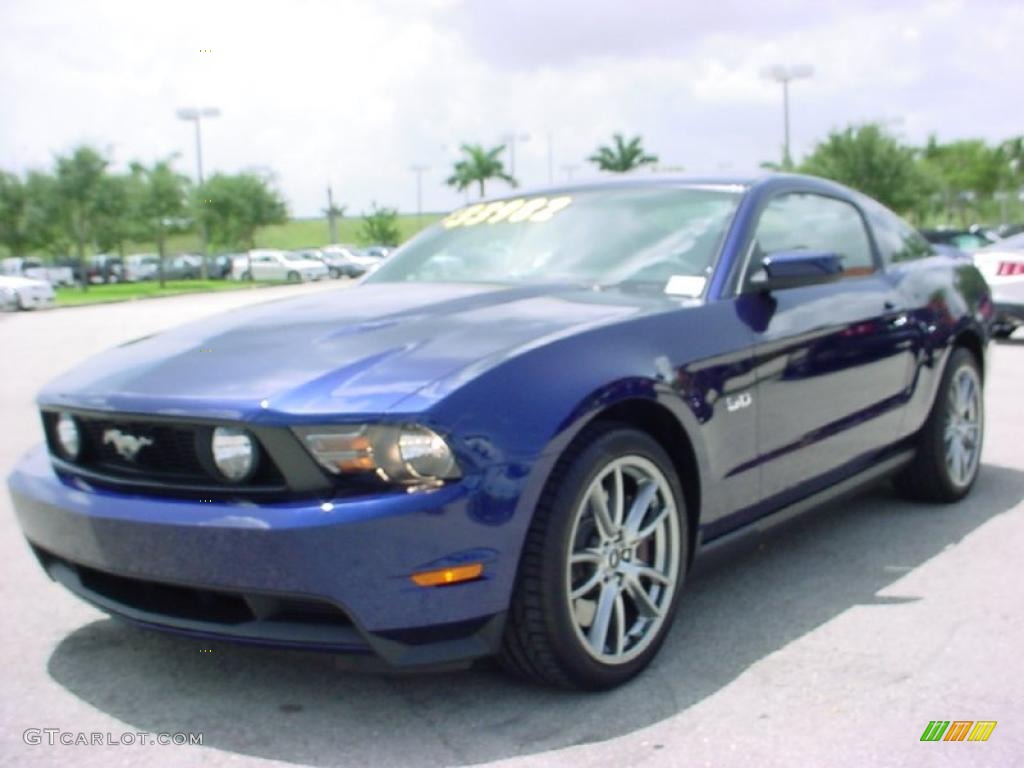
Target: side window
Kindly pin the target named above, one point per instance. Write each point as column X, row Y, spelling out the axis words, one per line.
column 897, row 240
column 816, row 223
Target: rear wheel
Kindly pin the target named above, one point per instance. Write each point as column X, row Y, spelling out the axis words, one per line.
column 949, row 447
column 602, row 565
column 294, row 277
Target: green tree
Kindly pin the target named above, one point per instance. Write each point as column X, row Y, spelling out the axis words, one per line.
column 115, row 220
column 14, row 231
column 478, row 166
column 868, row 159
column 44, row 215
column 160, row 203
column 965, row 172
column 233, row 207
column 380, row 227
column 622, row 156
column 79, row 179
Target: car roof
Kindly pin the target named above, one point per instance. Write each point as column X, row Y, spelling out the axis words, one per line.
column 740, row 183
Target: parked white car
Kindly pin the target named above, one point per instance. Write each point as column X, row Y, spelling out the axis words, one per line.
column 24, row 293
column 16, row 266
column 141, row 266
column 1002, row 264
column 277, row 265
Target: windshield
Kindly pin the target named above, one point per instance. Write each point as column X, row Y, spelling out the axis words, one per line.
column 651, row 235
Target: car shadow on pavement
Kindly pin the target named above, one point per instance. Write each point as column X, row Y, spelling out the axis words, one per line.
column 319, row 710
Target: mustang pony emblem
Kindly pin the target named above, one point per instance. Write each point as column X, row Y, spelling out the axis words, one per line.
column 128, row 446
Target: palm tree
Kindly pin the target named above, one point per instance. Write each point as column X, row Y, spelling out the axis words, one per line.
column 623, row 156
column 479, row 166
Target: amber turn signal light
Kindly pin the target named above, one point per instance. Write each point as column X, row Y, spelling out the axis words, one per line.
column 442, row 576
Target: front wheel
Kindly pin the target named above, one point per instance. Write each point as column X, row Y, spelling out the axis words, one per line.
column 602, row 566
column 294, row 277
column 948, row 455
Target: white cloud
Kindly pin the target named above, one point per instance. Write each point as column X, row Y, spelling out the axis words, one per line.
column 356, row 92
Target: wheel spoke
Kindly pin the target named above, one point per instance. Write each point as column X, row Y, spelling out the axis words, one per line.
column 605, row 525
column 598, row 634
column 620, row 624
column 644, row 605
column 638, row 509
column 654, row 524
column 587, row 586
column 618, row 498
column 645, row 572
column 953, row 458
column 590, row 556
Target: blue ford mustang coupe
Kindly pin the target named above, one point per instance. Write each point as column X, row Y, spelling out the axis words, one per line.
column 515, row 437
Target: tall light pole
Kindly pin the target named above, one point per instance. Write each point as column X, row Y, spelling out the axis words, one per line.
column 510, row 139
column 419, row 170
column 569, row 170
column 785, row 75
column 196, row 116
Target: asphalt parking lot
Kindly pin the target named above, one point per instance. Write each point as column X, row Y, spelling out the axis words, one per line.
column 833, row 642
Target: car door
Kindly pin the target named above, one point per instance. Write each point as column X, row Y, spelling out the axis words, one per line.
column 264, row 267
column 833, row 359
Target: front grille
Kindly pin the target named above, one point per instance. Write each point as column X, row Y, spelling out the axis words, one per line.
column 173, row 451
column 173, row 458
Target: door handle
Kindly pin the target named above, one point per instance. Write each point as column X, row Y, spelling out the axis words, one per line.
column 889, row 305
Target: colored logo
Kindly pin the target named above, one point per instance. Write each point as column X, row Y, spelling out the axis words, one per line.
column 958, row 730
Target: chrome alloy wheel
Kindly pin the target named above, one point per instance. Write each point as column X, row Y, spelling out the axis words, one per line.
column 623, row 565
column 964, row 424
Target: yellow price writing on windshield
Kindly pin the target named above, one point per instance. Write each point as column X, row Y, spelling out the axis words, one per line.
column 534, row 210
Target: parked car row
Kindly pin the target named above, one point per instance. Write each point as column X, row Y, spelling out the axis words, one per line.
column 332, row 261
column 26, row 283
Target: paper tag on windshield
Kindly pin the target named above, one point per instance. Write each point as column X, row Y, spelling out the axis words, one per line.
column 685, row 285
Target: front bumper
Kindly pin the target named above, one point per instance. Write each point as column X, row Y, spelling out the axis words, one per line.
column 35, row 300
column 173, row 564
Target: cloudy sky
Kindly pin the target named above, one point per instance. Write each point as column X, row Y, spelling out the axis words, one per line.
column 355, row 92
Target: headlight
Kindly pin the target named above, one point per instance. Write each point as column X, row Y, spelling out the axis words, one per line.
column 408, row 454
column 234, row 453
column 67, row 436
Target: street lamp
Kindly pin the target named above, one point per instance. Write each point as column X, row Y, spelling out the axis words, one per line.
column 569, row 171
column 510, row 139
column 784, row 75
column 419, row 170
column 196, row 115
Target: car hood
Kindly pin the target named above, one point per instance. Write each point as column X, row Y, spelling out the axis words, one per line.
column 363, row 350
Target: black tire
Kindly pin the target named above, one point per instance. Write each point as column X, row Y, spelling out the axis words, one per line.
column 928, row 477
column 541, row 641
column 246, row 275
column 294, row 277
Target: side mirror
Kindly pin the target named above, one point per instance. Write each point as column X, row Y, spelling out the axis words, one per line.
column 794, row 269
